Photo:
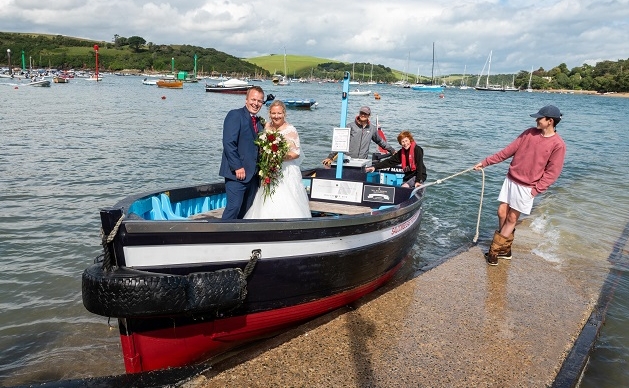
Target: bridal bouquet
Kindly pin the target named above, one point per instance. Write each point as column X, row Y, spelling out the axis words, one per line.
column 273, row 148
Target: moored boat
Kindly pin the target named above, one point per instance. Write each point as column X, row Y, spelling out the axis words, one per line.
column 232, row 86
column 186, row 285
column 305, row 103
column 40, row 82
column 358, row 92
column 60, row 79
column 169, row 83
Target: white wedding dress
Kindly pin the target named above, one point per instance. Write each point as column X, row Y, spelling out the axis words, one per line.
column 290, row 199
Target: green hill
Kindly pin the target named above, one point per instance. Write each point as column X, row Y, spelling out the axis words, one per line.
column 135, row 54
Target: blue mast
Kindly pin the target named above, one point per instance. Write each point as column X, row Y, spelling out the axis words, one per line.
column 344, row 95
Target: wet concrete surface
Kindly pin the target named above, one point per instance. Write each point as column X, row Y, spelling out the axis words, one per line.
column 460, row 324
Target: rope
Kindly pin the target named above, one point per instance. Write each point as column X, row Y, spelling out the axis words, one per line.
column 482, row 193
column 106, row 240
column 255, row 256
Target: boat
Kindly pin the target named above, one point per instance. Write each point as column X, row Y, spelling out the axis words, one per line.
column 60, row 79
column 39, row 82
column 187, row 286
column 169, row 83
column 528, row 88
column 487, row 87
column 464, row 80
column 432, row 87
column 358, row 92
column 305, row 103
column 511, row 88
column 282, row 80
column 149, row 82
column 232, row 85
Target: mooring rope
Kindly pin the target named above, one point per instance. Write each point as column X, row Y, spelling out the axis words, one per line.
column 255, row 255
column 482, row 193
column 106, row 240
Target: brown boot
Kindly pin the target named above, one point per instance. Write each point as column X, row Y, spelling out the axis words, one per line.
column 505, row 251
column 496, row 246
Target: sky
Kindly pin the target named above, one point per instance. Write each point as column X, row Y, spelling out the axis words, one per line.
column 521, row 34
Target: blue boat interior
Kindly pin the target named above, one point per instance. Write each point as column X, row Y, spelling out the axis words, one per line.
column 160, row 207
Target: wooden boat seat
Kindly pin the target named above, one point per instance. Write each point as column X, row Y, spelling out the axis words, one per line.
column 338, row 208
column 315, row 206
column 216, row 213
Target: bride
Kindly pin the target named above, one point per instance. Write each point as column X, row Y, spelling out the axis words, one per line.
column 290, row 199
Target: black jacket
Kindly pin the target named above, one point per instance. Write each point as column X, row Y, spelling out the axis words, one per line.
column 396, row 159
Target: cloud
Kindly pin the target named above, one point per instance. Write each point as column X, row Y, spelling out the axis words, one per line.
column 397, row 33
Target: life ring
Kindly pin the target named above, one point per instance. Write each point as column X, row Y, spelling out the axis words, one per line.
column 126, row 292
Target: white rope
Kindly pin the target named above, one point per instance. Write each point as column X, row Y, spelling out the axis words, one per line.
column 482, row 193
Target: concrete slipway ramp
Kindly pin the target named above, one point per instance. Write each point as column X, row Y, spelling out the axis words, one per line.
column 459, row 324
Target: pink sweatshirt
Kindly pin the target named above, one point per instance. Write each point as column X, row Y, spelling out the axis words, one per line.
column 537, row 160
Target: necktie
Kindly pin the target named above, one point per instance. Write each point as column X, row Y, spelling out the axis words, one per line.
column 253, row 120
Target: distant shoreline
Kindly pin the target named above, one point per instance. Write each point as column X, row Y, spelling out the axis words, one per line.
column 591, row 92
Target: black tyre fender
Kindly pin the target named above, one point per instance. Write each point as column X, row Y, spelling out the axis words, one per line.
column 126, row 292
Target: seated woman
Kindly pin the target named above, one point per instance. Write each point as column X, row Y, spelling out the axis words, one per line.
column 410, row 156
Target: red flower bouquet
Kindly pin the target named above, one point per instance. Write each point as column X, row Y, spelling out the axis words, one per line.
column 273, row 149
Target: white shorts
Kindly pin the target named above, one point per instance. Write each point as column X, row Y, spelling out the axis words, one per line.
column 516, row 196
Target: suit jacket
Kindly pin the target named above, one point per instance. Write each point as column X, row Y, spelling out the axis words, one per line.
column 239, row 149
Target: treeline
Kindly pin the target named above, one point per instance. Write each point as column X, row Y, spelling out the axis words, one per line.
column 336, row 70
column 62, row 52
column 133, row 53
column 605, row 76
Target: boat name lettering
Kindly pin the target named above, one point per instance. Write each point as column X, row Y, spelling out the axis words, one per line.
column 398, row 228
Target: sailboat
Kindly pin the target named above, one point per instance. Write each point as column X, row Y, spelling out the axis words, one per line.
column 371, row 81
column 487, row 87
column 464, row 80
column 432, row 87
column 284, row 81
column 353, row 80
column 528, row 88
column 511, row 88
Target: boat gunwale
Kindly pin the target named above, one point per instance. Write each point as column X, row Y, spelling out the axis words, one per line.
column 205, row 225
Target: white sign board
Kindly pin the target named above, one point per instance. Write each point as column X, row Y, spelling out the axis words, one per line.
column 336, row 190
column 340, row 140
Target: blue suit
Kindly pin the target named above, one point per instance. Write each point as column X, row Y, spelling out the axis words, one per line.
column 239, row 150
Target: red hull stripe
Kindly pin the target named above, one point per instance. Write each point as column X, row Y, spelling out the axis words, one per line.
column 180, row 346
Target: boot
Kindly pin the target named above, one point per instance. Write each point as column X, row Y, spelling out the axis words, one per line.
column 505, row 252
column 496, row 246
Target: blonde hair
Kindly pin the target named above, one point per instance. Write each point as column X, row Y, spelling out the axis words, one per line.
column 280, row 104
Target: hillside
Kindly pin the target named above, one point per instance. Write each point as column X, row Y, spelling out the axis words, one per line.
column 134, row 53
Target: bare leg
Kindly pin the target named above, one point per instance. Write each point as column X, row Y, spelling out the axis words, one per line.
column 510, row 220
column 503, row 209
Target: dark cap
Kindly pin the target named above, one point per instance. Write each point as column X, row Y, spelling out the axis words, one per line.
column 548, row 111
column 365, row 109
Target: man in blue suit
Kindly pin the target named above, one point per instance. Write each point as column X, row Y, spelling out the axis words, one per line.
column 240, row 155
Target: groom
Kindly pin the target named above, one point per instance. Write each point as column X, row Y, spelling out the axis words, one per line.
column 240, row 155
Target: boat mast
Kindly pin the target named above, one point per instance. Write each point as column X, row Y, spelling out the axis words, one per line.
column 285, row 71
column 488, row 69
column 432, row 72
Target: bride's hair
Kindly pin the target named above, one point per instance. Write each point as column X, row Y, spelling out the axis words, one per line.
column 278, row 103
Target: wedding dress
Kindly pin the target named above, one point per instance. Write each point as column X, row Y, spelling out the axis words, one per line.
column 290, row 199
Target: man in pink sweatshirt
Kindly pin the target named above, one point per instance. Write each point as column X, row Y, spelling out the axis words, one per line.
column 538, row 156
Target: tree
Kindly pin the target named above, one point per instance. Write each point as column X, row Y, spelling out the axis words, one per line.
column 135, row 42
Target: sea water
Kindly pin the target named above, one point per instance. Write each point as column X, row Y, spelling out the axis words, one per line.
column 71, row 149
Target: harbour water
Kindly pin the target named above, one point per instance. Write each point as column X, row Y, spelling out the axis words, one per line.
column 68, row 150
